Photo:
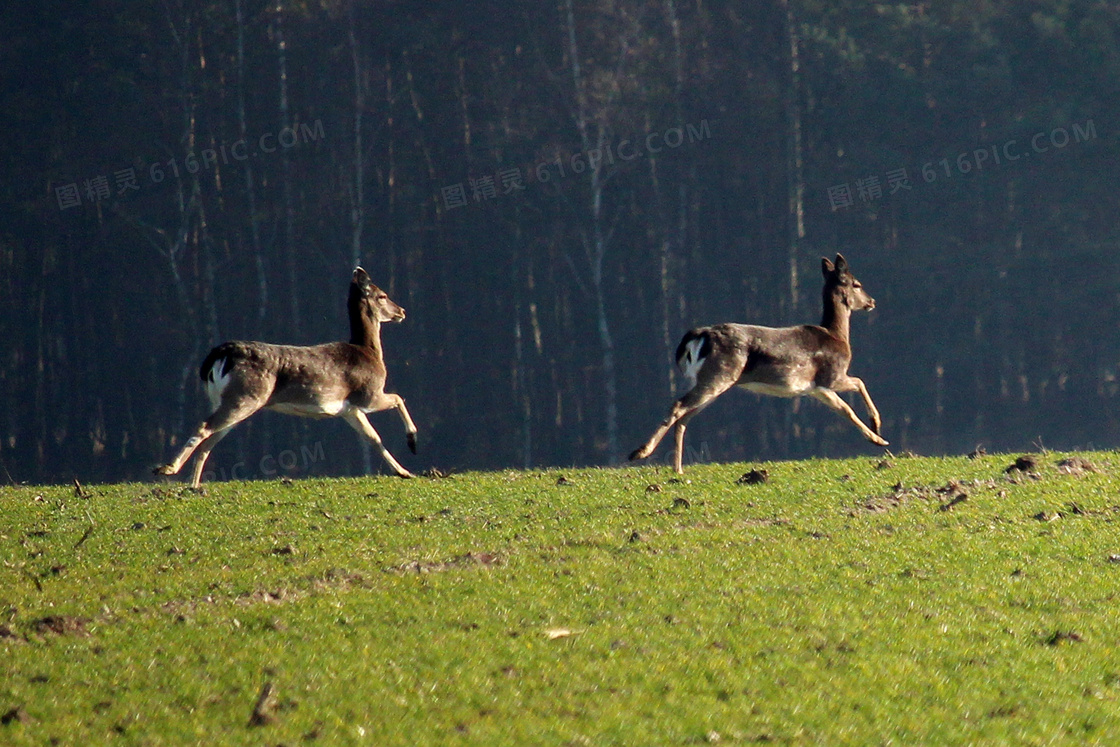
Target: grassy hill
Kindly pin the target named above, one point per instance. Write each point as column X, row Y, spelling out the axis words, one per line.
column 862, row 601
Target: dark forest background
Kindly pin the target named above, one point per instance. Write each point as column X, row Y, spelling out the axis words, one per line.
column 175, row 174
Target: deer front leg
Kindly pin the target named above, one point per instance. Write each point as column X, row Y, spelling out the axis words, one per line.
column 872, row 412
column 409, row 426
column 358, row 422
column 395, row 401
column 833, row 401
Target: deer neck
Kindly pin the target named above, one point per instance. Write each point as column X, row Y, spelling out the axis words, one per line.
column 365, row 331
column 837, row 317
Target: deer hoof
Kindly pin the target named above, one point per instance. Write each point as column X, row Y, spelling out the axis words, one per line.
column 163, row 469
column 637, row 454
column 880, row 441
column 412, row 442
column 405, row 475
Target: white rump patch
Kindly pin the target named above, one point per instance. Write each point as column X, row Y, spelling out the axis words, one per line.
column 690, row 360
column 216, row 382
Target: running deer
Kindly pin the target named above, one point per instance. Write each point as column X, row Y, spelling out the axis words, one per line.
column 336, row 379
column 785, row 362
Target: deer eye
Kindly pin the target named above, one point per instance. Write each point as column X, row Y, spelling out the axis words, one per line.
column 857, row 284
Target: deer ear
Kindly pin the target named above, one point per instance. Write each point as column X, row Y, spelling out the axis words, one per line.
column 841, row 263
column 826, row 266
column 362, row 281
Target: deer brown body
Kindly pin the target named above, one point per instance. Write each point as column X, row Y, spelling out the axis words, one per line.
column 336, row 379
column 783, row 362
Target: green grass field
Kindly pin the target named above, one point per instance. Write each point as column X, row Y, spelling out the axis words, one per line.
column 915, row 601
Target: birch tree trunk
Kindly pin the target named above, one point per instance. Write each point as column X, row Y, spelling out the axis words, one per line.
column 250, row 188
column 286, row 171
column 595, row 246
column 187, row 207
column 357, row 194
column 677, row 243
column 795, row 169
column 357, row 201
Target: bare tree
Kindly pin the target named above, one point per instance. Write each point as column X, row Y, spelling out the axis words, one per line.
column 357, row 206
column 286, row 167
column 670, row 241
column 173, row 243
column 250, row 188
column 357, row 193
column 795, row 168
column 594, row 135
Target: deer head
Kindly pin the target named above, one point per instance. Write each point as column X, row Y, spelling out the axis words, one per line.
column 841, row 285
column 372, row 302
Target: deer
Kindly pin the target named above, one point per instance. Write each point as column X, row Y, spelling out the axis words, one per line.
column 779, row 362
column 336, row 379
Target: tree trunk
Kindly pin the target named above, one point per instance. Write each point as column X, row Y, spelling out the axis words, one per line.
column 357, row 202
column 250, row 189
column 390, row 238
column 357, row 194
column 795, row 168
column 521, row 387
column 597, row 246
column 286, row 172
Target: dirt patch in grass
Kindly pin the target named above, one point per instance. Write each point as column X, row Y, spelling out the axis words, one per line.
column 899, row 495
column 948, row 496
column 469, row 560
column 333, row 579
column 61, row 625
column 1062, row 636
column 7, row 634
column 261, row 596
column 754, row 477
column 1076, row 466
column 262, row 713
column 337, row 577
column 775, row 521
column 1025, row 465
column 1029, row 466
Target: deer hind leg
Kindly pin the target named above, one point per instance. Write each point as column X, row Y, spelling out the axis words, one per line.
column 682, row 411
column 358, row 421
column 833, row 401
column 675, row 414
column 203, row 452
column 227, row 415
column 682, row 424
column 176, row 464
